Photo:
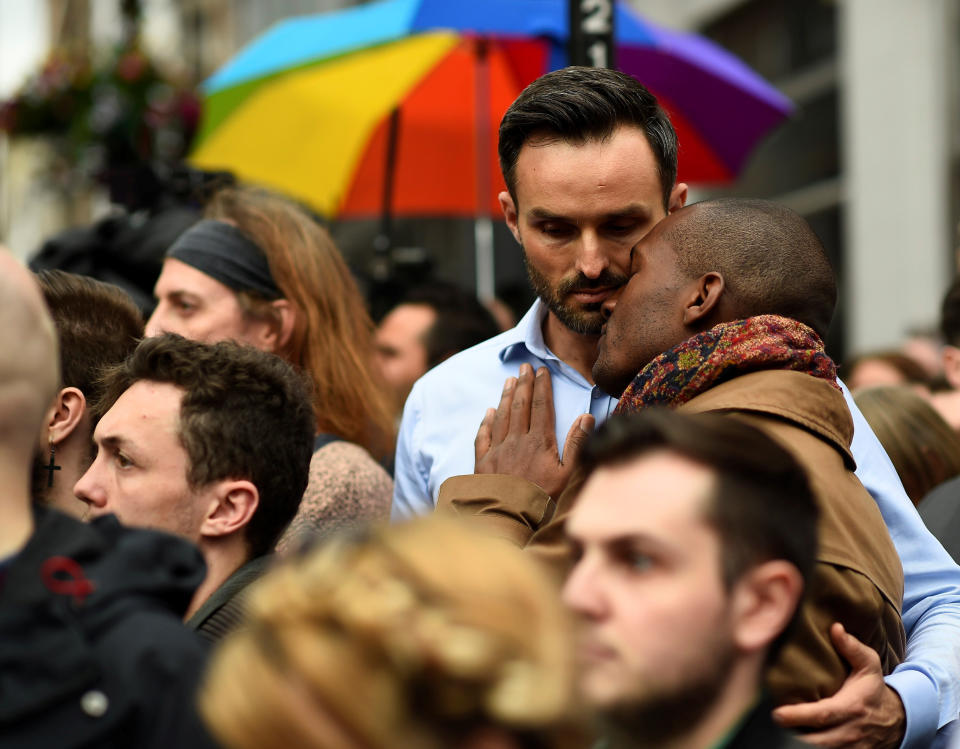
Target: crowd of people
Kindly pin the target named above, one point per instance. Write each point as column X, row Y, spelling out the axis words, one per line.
column 648, row 514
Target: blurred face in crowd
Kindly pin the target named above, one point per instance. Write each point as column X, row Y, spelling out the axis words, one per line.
column 874, row 373
column 645, row 317
column 140, row 472
column 657, row 622
column 580, row 208
column 196, row 306
column 400, row 351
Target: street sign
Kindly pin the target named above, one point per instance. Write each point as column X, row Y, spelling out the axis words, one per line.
column 591, row 33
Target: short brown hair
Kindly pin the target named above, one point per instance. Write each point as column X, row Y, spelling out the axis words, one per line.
column 244, row 414
column 581, row 104
column 97, row 323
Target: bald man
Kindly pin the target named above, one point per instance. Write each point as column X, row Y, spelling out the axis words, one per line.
column 28, row 382
column 91, row 645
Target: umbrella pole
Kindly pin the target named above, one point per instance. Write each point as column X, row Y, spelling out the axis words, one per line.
column 384, row 240
column 483, row 225
column 483, row 244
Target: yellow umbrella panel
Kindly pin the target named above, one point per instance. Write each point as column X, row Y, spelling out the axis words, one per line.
column 274, row 138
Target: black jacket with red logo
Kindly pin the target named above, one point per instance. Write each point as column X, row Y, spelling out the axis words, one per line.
column 93, row 652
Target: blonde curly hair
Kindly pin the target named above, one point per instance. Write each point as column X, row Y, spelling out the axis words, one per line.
column 416, row 636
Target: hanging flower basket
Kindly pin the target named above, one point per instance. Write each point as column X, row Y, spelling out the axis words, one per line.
column 127, row 111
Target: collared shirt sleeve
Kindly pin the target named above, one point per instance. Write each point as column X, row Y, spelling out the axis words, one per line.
column 928, row 681
column 411, row 490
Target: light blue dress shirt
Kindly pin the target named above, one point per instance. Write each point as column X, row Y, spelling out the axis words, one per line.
column 447, row 404
column 928, row 681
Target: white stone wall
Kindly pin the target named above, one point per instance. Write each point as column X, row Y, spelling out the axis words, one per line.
column 896, row 95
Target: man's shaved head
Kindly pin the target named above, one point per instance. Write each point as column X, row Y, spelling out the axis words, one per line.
column 29, row 365
column 771, row 261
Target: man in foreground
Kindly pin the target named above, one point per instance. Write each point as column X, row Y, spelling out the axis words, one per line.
column 209, row 442
column 693, row 539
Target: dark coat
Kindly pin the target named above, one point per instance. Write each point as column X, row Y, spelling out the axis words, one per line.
column 223, row 611
column 940, row 510
column 755, row 730
column 93, row 652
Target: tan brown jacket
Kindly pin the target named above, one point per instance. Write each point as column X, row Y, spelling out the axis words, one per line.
column 858, row 580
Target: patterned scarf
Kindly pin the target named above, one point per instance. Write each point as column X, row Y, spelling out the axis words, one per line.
column 726, row 351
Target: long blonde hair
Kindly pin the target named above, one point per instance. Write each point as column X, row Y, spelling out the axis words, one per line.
column 415, row 637
column 332, row 339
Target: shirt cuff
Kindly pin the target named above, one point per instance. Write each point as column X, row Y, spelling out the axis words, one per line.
column 920, row 705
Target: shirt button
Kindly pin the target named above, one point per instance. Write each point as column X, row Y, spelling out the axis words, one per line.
column 94, row 703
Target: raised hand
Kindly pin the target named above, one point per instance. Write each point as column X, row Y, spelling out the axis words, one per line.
column 518, row 437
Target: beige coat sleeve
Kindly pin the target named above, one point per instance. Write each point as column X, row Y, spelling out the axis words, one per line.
column 507, row 506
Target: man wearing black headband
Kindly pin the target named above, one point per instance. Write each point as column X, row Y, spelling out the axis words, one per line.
column 208, row 274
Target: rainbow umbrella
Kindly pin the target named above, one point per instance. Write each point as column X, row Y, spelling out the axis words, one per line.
column 393, row 106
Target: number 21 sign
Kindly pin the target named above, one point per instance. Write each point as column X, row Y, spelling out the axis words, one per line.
column 591, row 33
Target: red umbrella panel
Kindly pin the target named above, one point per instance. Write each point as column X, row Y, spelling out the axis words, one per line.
column 423, row 160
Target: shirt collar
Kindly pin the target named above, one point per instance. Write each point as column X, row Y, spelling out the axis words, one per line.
column 528, row 336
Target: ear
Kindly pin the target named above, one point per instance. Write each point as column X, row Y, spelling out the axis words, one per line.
column 678, row 197
column 271, row 332
column 231, row 506
column 285, row 319
column 704, row 299
column 67, row 412
column 764, row 601
column 951, row 365
column 509, row 209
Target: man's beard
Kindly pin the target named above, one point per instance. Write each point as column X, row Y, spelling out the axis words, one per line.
column 585, row 319
column 652, row 719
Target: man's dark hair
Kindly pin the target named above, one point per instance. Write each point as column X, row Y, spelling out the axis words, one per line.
column 762, row 506
column 245, row 414
column 950, row 314
column 462, row 321
column 578, row 104
column 97, row 324
column 771, row 261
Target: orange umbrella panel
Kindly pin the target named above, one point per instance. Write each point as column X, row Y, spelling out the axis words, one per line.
column 445, row 161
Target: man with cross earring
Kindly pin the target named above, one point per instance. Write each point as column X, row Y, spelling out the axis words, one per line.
column 97, row 325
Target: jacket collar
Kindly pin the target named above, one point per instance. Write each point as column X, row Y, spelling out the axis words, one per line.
column 809, row 402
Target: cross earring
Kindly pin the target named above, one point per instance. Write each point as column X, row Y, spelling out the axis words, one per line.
column 51, row 466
